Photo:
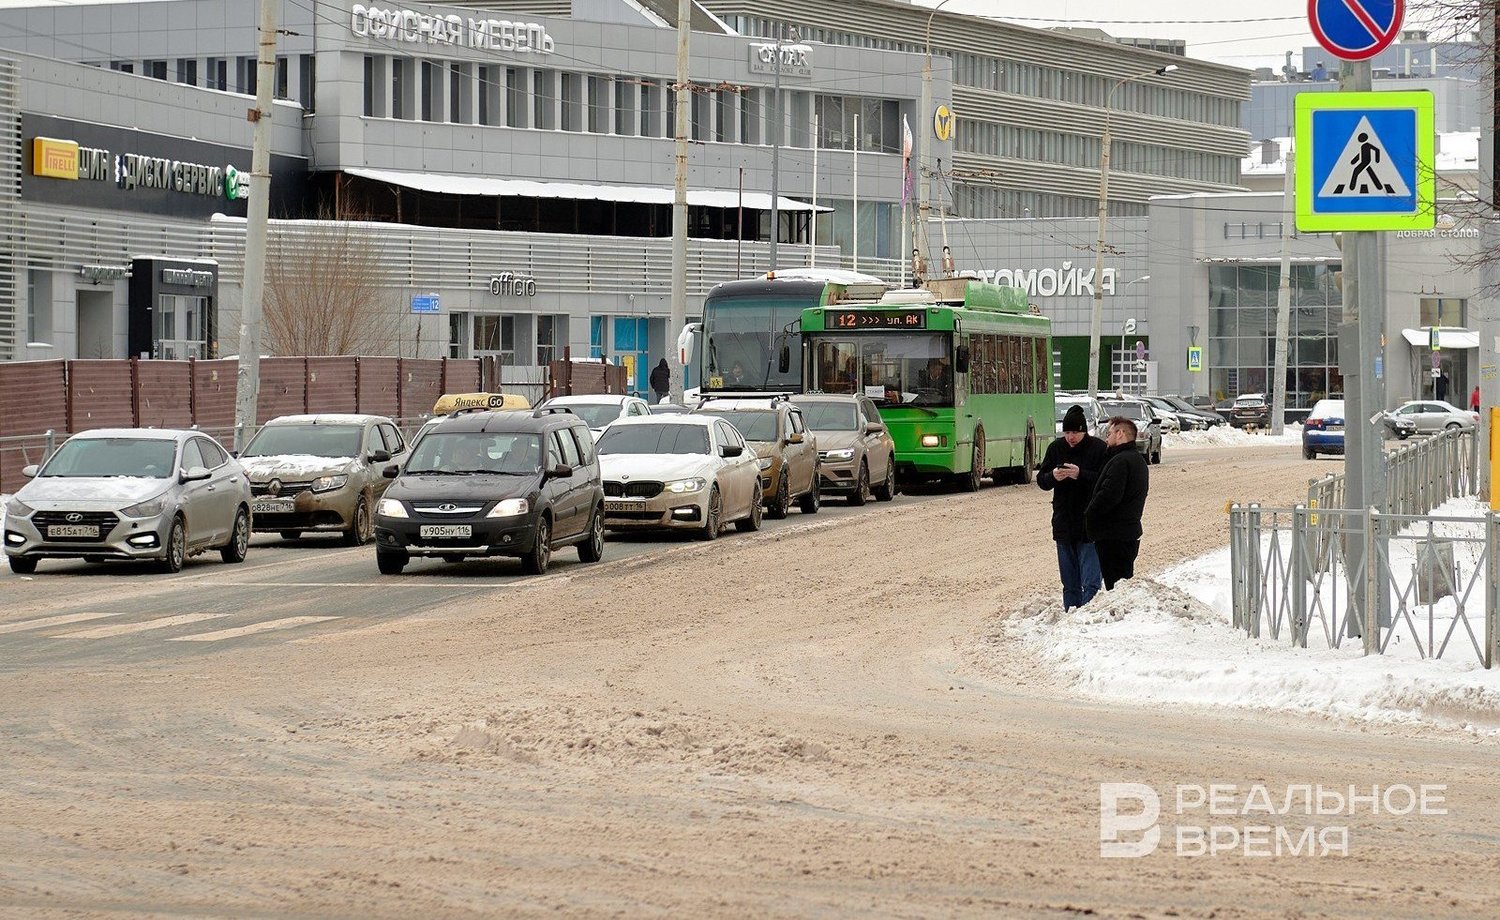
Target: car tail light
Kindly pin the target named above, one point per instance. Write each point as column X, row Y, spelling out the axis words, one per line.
column 1316, row 423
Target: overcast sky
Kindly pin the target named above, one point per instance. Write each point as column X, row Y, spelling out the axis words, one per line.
column 1205, row 25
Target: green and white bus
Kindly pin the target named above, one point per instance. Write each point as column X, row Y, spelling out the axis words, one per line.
column 961, row 372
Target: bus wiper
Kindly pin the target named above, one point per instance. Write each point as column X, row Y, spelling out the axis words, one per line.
column 713, row 356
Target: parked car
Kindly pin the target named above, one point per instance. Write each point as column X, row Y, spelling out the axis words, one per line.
column 508, row 483
column 1431, row 415
column 320, row 473
column 777, row 432
column 669, row 409
column 129, row 493
column 459, row 403
column 856, row 453
column 1093, row 414
column 1147, row 425
column 600, row 411
column 1205, row 413
column 691, row 472
column 1170, row 420
column 1323, row 430
column 1250, row 410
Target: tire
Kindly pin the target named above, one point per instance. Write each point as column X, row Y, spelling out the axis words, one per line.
column 1309, row 454
column 22, row 565
column 886, row 491
column 714, row 514
column 536, row 561
column 176, row 549
column 861, row 493
column 592, row 549
column 290, row 534
column 1156, row 457
column 752, row 523
column 238, row 547
column 1028, row 463
column 970, row 481
column 362, row 528
column 812, row 500
column 781, row 505
column 1453, row 426
column 390, row 563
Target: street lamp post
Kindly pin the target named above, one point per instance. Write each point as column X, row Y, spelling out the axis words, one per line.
column 1096, row 318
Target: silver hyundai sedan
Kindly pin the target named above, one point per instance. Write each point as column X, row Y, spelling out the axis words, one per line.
column 130, row 493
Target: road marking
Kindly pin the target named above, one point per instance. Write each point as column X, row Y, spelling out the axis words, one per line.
column 105, row 632
column 286, row 623
column 61, row 620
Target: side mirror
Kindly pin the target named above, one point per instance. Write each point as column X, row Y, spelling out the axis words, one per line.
column 794, row 438
column 784, row 362
column 961, row 359
column 235, row 454
column 30, row 470
column 391, row 472
column 195, row 474
column 561, row 471
column 731, row 450
column 379, row 456
column 873, row 428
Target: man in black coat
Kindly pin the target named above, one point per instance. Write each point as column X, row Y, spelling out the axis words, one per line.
column 1068, row 471
column 1113, row 516
column 661, row 380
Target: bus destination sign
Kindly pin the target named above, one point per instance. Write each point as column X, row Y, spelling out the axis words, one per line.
column 880, row 319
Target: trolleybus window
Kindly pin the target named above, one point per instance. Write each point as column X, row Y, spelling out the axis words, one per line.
column 914, row 369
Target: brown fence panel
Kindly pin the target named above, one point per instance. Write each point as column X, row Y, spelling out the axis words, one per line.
column 461, row 375
column 164, row 394
column 421, row 385
column 33, row 399
column 214, row 384
column 380, row 386
column 99, row 394
column 583, row 378
column 283, row 388
column 331, row 384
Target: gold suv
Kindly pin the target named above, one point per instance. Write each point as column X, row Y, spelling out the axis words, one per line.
column 778, row 433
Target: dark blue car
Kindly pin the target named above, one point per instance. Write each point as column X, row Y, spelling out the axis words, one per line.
column 1323, row 432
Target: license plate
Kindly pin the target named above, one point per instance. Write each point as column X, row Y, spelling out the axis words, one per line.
column 72, row 530
column 272, row 506
column 447, row 531
column 634, row 505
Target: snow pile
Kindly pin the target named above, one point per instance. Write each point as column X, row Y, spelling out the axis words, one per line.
column 1228, row 436
column 1168, row 640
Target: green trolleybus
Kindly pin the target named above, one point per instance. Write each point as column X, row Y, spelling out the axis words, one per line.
column 961, row 372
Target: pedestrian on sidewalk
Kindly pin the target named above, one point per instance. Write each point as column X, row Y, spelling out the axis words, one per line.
column 1113, row 517
column 1069, row 469
column 661, row 380
column 1474, row 399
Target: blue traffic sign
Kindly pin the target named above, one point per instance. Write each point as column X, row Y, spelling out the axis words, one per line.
column 1365, row 161
column 1355, row 30
column 425, row 303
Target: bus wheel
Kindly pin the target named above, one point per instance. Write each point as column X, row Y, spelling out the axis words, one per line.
column 1028, row 466
column 970, row 481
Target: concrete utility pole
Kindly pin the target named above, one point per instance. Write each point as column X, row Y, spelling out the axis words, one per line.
column 252, row 284
column 679, row 201
column 1489, row 309
column 1283, row 300
column 776, row 152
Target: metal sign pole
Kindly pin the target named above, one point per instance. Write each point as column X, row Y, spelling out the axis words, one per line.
column 1357, row 369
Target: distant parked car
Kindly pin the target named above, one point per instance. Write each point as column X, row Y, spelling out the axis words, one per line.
column 1093, row 414
column 1323, row 432
column 599, row 412
column 1250, row 410
column 1147, row 425
column 1202, row 410
column 1431, row 415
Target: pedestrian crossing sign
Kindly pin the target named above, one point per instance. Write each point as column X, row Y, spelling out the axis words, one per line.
column 1365, row 161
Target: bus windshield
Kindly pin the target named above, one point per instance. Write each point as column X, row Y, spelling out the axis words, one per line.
column 742, row 340
column 896, row 368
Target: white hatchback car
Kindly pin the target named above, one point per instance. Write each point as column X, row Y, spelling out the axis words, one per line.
column 680, row 472
column 600, row 410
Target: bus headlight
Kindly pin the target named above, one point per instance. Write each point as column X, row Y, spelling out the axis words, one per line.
column 934, row 440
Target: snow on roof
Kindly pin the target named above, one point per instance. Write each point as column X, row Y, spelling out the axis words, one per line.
column 1457, row 151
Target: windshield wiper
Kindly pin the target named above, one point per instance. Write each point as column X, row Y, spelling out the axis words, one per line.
column 432, row 472
column 491, row 473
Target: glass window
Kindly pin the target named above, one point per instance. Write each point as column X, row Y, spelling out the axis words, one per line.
column 1443, row 311
column 306, row 440
column 663, row 438
column 192, row 456
column 564, row 448
column 392, row 439
column 145, row 457
column 831, row 416
column 755, row 424
column 477, row 452
column 584, row 445
column 213, row 457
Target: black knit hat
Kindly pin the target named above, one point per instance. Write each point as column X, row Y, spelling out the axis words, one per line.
column 1073, row 420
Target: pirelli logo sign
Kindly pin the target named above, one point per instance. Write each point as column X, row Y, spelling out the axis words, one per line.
column 55, row 159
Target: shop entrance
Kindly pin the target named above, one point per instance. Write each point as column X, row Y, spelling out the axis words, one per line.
column 96, row 324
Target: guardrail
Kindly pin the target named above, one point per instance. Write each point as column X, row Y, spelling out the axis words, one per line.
column 33, row 448
column 1400, row 583
column 1419, row 476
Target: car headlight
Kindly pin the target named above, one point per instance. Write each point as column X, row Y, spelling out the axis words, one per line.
column 765, row 463
column 685, row 485
column 510, row 507
column 18, row 508
column 389, row 507
column 329, row 483
column 151, row 507
column 844, row 453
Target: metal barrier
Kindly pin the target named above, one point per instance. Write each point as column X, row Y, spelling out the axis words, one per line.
column 33, row 448
column 1433, row 583
column 1419, row 476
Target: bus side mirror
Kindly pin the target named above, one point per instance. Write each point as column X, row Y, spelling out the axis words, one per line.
column 784, row 362
column 961, row 359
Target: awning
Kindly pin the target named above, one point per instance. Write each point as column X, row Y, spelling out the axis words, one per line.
column 1448, row 337
column 444, row 184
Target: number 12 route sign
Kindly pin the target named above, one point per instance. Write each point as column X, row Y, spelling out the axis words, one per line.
column 1355, row 30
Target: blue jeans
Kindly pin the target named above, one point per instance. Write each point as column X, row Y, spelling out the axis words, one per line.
column 1079, row 565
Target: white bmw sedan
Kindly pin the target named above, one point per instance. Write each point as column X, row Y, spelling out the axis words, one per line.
column 686, row 472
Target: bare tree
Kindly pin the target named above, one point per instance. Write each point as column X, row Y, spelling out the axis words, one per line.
column 323, row 291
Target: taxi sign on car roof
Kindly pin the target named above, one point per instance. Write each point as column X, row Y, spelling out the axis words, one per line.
column 454, row 402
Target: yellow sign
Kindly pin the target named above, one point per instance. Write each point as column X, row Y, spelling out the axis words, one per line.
column 54, row 158
column 453, row 402
column 942, row 123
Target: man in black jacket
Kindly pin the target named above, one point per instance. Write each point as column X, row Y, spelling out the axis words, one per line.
column 1113, row 517
column 661, row 380
column 1068, row 471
